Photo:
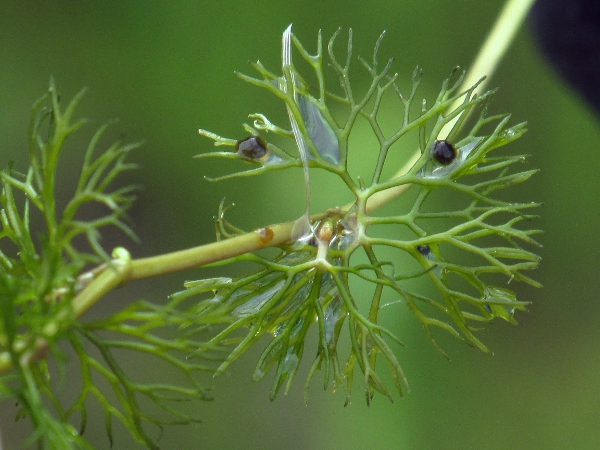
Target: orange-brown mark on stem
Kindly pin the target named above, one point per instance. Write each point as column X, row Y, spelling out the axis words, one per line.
column 327, row 230
column 265, row 235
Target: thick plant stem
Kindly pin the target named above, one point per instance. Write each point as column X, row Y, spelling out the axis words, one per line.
column 270, row 236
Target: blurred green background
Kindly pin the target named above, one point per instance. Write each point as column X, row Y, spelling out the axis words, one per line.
column 166, row 68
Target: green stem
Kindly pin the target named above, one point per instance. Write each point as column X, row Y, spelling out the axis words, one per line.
column 488, row 58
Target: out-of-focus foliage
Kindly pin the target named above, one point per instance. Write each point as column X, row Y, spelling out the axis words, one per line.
column 40, row 284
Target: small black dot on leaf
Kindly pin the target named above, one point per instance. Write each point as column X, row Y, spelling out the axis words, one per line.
column 443, row 152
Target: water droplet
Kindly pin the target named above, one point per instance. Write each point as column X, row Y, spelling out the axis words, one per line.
column 277, row 330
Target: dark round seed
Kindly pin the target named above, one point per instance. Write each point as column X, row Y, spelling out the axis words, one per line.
column 443, row 152
column 253, row 147
column 424, row 250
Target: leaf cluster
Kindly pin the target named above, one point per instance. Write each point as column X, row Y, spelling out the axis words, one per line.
column 463, row 248
column 42, row 274
column 40, row 267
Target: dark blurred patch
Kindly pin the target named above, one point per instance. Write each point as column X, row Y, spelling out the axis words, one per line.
column 568, row 32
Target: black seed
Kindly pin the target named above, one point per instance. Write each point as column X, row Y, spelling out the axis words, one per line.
column 252, row 147
column 424, row 250
column 443, row 152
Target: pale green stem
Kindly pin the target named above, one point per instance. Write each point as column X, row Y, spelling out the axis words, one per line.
column 123, row 269
column 493, row 49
